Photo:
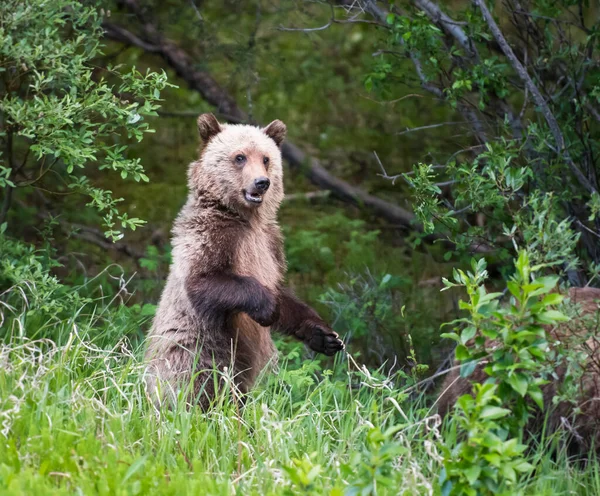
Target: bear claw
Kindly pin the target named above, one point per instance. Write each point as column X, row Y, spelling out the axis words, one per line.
column 325, row 341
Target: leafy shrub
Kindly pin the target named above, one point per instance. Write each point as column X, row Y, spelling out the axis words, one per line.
column 63, row 119
column 35, row 304
column 511, row 343
column 526, row 176
column 368, row 309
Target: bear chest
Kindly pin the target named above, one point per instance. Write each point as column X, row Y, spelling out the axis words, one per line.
column 255, row 257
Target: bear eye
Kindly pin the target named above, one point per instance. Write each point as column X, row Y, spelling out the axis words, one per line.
column 266, row 160
column 240, row 159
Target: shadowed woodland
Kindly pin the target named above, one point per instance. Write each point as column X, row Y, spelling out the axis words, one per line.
column 441, row 213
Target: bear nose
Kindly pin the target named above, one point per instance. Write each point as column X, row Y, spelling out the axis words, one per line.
column 262, row 183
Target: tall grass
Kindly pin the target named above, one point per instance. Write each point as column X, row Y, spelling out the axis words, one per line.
column 75, row 419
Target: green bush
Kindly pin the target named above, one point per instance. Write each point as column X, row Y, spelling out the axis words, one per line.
column 509, row 341
column 63, row 119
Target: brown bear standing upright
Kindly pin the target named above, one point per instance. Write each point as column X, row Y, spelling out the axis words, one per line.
column 582, row 418
column 224, row 292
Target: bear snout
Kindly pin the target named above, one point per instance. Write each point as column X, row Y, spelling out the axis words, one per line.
column 262, row 184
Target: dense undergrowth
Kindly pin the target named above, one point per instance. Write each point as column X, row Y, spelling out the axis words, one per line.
column 75, row 419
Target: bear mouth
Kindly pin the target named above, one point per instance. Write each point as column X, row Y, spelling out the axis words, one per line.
column 254, row 198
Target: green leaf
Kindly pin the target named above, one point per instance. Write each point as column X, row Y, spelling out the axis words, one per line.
column 514, row 289
column 519, row 383
column 467, row 368
column 494, row 412
column 552, row 299
column 462, row 352
column 537, row 396
column 523, row 467
column 451, row 335
column 467, row 334
column 551, row 317
column 472, row 473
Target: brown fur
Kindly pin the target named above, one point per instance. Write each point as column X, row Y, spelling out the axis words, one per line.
column 224, row 291
column 584, row 426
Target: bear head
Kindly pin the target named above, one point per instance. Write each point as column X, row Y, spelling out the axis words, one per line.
column 240, row 165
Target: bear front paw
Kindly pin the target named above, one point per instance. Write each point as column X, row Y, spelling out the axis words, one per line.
column 324, row 340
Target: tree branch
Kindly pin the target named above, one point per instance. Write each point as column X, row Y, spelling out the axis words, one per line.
column 118, row 33
column 202, row 82
column 448, row 25
column 468, row 113
column 536, row 95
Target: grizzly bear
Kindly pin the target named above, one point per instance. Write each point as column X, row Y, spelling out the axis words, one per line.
column 224, row 293
column 581, row 419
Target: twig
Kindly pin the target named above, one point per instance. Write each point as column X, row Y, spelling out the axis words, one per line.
column 195, row 7
column 385, row 174
column 391, row 102
column 582, row 225
column 430, row 126
column 333, row 20
column 306, row 30
column 185, row 457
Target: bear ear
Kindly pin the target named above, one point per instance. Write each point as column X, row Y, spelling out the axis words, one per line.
column 208, row 126
column 276, row 131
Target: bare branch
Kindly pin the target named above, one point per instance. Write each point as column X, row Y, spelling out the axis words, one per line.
column 306, row 30
column 119, row 33
column 197, row 11
column 430, row 126
column 450, row 26
column 384, row 173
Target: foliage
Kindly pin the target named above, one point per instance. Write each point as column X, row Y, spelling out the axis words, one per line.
column 511, row 342
column 35, row 304
column 491, row 176
column 75, row 418
column 334, row 241
column 61, row 116
column 515, row 185
column 370, row 309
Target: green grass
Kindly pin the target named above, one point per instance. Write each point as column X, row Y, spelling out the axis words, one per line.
column 74, row 419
